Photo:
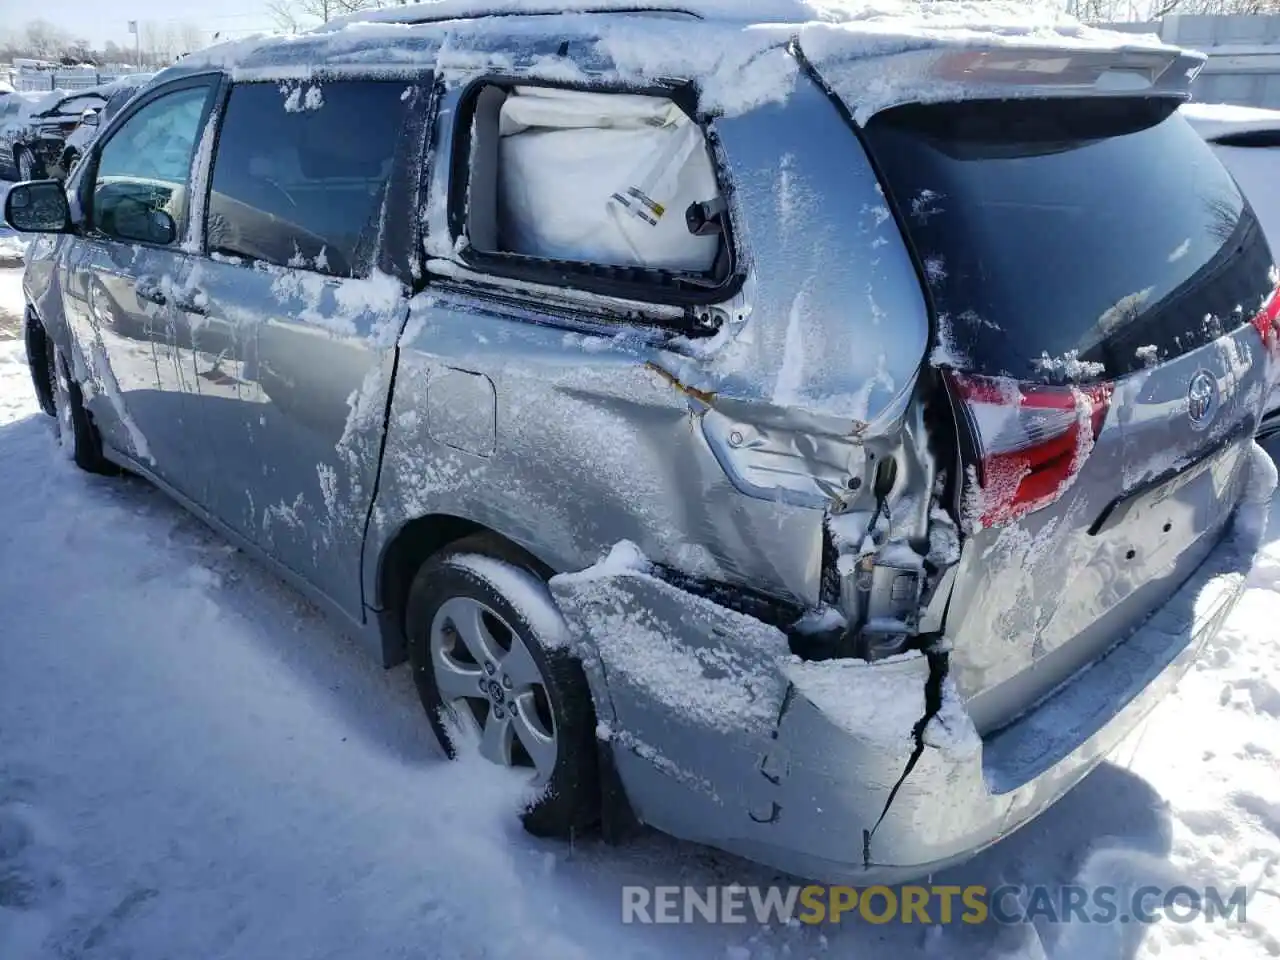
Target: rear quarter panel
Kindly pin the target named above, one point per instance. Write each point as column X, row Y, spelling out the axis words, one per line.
column 558, row 432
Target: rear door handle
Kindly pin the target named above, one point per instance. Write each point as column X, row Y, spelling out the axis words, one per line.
column 194, row 301
column 148, row 288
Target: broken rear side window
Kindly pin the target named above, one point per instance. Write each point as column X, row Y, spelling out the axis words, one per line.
column 1071, row 239
column 604, row 191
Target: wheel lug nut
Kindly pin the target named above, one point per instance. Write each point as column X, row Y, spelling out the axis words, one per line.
column 499, row 713
column 489, row 668
column 506, row 682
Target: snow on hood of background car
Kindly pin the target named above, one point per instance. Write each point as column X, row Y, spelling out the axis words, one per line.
column 1213, row 120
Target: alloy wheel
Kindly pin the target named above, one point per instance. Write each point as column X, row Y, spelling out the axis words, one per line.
column 491, row 684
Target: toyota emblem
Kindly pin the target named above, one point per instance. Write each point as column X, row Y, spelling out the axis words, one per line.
column 1201, row 396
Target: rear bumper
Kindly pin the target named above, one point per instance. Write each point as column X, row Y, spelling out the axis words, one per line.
column 721, row 737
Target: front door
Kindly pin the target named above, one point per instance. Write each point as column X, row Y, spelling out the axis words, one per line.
column 131, row 273
column 296, row 348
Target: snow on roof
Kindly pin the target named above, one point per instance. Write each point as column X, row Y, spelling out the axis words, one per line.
column 733, row 48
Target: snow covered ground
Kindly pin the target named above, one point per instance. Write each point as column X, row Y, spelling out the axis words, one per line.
column 195, row 764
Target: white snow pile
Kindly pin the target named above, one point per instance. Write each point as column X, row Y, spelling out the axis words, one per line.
column 1069, row 366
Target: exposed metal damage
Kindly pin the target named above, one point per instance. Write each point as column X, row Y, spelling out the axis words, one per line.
column 734, row 672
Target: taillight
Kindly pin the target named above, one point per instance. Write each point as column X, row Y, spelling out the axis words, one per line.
column 1267, row 323
column 1032, row 440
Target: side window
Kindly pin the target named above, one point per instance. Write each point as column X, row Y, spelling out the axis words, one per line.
column 301, row 172
column 590, row 189
column 143, row 172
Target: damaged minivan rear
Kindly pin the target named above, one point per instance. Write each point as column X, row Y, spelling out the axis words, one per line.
column 1021, row 550
column 816, row 441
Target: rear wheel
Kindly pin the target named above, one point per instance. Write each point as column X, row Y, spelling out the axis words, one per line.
column 29, row 168
column 493, row 683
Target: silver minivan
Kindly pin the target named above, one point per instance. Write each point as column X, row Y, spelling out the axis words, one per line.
column 820, row 440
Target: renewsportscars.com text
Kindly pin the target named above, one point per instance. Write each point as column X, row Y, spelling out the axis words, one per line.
column 934, row 904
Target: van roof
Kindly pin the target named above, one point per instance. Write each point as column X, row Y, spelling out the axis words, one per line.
column 733, row 49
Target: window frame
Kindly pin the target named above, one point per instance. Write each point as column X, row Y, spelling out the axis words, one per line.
column 658, row 287
column 404, row 264
column 215, row 81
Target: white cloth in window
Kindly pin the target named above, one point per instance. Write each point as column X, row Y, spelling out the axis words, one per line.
column 603, row 178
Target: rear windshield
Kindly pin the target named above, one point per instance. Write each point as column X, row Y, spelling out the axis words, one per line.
column 1071, row 239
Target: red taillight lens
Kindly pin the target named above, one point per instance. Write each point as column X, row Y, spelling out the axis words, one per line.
column 1267, row 323
column 1032, row 440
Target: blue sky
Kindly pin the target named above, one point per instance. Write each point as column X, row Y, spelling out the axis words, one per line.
column 100, row 20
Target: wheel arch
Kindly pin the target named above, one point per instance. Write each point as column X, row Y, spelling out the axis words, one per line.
column 414, row 544
column 39, row 359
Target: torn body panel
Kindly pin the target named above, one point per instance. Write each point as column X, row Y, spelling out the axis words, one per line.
column 721, row 734
column 853, row 770
column 608, row 424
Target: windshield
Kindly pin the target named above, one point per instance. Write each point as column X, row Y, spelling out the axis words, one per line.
column 74, row 106
column 1071, row 238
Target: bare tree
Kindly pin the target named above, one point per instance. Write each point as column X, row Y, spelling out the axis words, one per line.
column 295, row 15
column 190, row 37
column 44, row 40
column 285, row 15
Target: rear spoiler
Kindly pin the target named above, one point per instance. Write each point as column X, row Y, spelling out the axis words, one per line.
column 869, row 85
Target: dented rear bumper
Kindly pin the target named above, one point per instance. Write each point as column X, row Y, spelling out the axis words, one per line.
column 847, row 770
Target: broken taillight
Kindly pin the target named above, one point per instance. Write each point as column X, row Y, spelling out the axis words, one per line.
column 1267, row 323
column 1032, row 439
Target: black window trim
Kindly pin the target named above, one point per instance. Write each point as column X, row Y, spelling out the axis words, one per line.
column 659, row 287
column 384, row 258
column 214, row 80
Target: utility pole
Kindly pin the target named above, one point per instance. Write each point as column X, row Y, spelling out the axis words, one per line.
column 137, row 44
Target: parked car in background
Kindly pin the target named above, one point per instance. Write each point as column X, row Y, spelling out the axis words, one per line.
column 15, row 108
column 118, row 93
column 31, row 142
column 830, row 471
column 1247, row 141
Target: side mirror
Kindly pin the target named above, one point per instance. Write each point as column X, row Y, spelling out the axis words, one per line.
column 38, row 206
column 89, row 118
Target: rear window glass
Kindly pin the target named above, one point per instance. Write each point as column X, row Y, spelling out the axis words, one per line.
column 1071, row 239
column 301, row 170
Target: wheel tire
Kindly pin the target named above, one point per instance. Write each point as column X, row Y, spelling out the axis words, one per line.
column 29, row 167
column 40, row 363
column 76, row 430
column 69, row 161
column 570, row 800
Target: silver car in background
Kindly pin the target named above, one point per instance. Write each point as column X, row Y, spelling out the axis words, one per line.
column 116, row 94
column 822, row 448
column 1247, row 141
